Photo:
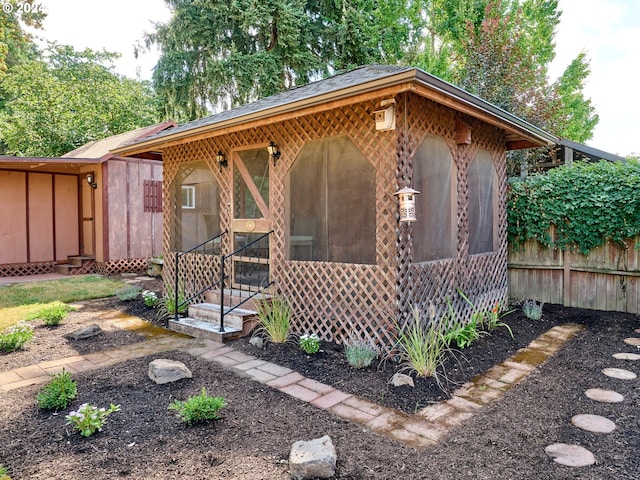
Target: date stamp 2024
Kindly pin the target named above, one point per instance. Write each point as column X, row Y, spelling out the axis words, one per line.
column 22, row 7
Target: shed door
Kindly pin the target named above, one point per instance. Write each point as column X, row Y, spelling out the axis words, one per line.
column 251, row 217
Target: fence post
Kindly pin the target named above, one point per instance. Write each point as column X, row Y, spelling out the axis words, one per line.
column 566, row 278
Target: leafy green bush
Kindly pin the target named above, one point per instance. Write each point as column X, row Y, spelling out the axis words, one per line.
column 360, row 353
column 58, row 393
column 274, row 319
column 422, row 348
column 198, row 408
column 310, row 344
column 587, row 203
column 52, row 315
column 129, row 293
column 14, row 338
column 89, row 419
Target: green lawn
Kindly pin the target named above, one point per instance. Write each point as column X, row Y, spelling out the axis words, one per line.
column 19, row 300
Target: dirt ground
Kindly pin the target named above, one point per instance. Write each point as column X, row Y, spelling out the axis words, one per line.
column 252, row 440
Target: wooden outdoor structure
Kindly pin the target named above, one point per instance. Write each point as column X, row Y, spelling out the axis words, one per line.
column 52, row 213
column 384, row 268
column 606, row 279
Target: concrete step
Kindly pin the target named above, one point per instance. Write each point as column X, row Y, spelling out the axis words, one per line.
column 234, row 297
column 78, row 260
column 199, row 328
column 65, row 268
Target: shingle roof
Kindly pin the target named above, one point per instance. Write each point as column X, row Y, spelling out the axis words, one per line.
column 359, row 80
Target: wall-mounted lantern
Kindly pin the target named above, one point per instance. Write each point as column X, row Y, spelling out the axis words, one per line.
column 221, row 160
column 272, row 148
column 407, row 204
column 91, row 180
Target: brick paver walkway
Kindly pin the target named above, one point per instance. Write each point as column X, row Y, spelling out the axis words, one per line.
column 424, row 428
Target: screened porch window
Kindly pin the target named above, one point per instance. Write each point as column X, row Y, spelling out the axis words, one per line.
column 434, row 177
column 331, row 191
column 197, row 206
column 481, row 203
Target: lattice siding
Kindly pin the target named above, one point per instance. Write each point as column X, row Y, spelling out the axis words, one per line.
column 121, row 266
column 19, row 269
column 335, row 300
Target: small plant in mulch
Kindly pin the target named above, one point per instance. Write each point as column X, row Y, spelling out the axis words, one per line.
column 129, row 293
column 13, row 338
column 89, row 419
column 4, row 473
column 309, row 343
column 274, row 319
column 53, row 314
column 360, row 353
column 532, row 309
column 198, row 408
column 58, row 393
column 150, row 298
column 167, row 305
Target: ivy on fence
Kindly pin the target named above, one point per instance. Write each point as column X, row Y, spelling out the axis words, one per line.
column 586, row 205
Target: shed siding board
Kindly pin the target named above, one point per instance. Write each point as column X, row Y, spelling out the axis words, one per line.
column 40, row 208
column 66, row 208
column 139, row 220
column 13, row 231
column 118, row 211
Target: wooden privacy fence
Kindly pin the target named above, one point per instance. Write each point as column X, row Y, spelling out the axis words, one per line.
column 606, row 279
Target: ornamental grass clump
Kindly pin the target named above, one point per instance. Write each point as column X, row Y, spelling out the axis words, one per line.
column 274, row 319
column 167, row 305
column 360, row 353
column 532, row 309
column 310, row 344
column 58, row 393
column 52, row 315
column 198, row 408
column 14, row 338
column 422, row 347
column 89, row 419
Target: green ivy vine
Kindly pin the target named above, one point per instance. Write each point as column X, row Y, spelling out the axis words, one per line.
column 587, row 203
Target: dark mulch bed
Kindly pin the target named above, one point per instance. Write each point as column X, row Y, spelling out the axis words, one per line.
column 330, row 364
column 503, row 441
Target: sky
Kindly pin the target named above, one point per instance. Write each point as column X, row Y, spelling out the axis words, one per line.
column 607, row 30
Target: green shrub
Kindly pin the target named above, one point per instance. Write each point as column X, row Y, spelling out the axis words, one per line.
column 89, row 419
column 463, row 334
column 587, row 203
column 360, row 353
column 52, row 315
column 198, row 408
column 274, row 319
column 532, row 309
column 129, row 293
column 4, row 473
column 422, row 348
column 58, row 393
column 310, row 344
column 14, row 338
column 150, row 299
column 167, row 304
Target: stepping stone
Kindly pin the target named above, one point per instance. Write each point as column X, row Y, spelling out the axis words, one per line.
column 634, row 341
column 606, row 396
column 593, row 423
column 626, row 356
column 619, row 373
column 570, row 455
column 637, row 330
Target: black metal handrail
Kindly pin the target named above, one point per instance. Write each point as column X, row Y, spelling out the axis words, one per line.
column 177, row 303
column 223, row 277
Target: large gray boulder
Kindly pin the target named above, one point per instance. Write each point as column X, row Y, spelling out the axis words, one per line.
column 166, row 371
column 313, row 459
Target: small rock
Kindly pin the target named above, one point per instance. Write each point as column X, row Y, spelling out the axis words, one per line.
column 400, row 379
column 312, row 459
column 593, row 423
column 257, row 342
column 86, row 332
column 166, row 371
column 606, row 396
column 626, row 356
column 570, row 455
column 619, row 373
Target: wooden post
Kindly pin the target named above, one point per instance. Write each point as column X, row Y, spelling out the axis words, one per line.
column 566, row 278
